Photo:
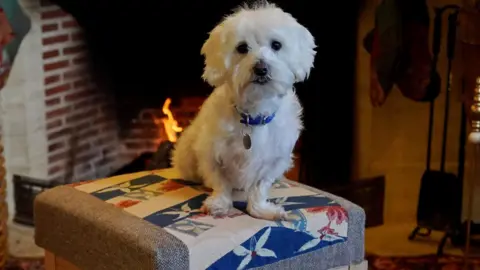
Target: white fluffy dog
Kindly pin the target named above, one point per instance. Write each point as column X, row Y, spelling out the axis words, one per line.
column 245, row 132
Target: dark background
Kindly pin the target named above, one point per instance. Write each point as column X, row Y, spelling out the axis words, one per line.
column 144, row 51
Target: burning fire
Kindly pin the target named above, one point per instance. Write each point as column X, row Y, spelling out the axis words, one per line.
column 170, row 125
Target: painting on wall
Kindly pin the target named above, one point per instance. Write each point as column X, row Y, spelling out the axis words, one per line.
column 14, row 25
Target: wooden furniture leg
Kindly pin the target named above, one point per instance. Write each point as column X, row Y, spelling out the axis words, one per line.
column 53, row 262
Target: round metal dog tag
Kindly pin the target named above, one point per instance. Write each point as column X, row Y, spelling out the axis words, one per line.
column 247, row 141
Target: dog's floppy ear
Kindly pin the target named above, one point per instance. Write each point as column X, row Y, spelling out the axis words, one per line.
column 305, row 53
column 212, row 50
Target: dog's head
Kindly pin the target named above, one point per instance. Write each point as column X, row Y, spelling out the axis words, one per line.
column 258, row 47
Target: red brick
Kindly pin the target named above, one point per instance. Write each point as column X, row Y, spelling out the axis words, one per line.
column 102, row 119
column 82, row 116
column 55, row 169
column 74, row 73
column 151, row 144
column 88, row 134
column 108, row 127
column 139, row 126
column 58, row 112
column 52, row 102
column 103, row 140
column 52, row 14
column 79, row 95
column 49, row 27
column 109, row 149
column 56, row 146
column 57, row 157
column 59, row 134
column 78, row 36
column 81, row 127
column 135, row 145
column 51, row 79
column 56, row 65
column 80, row 60
column 81, row 83
column 55, row 39
column 83, row 168
column 147, row 134
column 130, row 156
column 104, row 161
column 83, row 104
column 85, row 158
column 70, row 24
column 74, row 49
column 51, row 54
column 54, row 124
column 57, row 89
column 82, row 148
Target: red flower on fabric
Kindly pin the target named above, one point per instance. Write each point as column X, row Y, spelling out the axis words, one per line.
column 169, row 185
column 126, row 203
column 199, row 216
column 334, row 213
column 327, row 230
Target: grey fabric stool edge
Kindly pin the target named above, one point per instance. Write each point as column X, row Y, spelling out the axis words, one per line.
column 56, row 215
column 67, row 224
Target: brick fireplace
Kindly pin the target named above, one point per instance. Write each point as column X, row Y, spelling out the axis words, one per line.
column 58, row 124
column 80, row 124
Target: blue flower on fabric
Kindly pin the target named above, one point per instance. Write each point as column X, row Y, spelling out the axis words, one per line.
column 256, row 249
column 184, row 211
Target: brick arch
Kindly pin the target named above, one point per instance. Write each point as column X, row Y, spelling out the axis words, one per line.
column 81, row 128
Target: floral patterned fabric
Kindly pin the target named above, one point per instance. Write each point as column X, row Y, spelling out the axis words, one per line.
column 237, row 241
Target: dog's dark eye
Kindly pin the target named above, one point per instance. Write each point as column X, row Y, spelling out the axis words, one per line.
column 242, row 48
column 276, row 45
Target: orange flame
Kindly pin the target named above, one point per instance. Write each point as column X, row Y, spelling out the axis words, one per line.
column 169, row 123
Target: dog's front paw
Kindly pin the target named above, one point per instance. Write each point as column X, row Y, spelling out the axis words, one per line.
column 266, row 210
column 217, row 206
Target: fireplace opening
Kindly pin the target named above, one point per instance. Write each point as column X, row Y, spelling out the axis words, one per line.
column 144, row 56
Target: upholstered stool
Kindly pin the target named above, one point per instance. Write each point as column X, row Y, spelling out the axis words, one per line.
column 151, row 220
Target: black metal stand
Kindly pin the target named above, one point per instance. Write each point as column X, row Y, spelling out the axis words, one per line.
column 429, row 216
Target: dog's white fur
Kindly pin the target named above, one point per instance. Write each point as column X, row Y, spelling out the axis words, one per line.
column 211, row 148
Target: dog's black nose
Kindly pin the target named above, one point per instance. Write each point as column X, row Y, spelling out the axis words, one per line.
column 260, row 69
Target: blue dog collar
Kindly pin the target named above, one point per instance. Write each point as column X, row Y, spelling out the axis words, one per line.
column 259, row 120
